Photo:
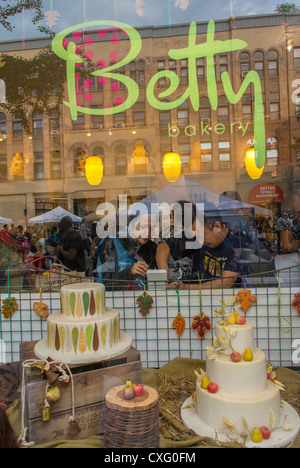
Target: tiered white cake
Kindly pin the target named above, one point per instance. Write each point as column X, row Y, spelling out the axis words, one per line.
column 243, row 388
column 85, row 330
column 236, row 397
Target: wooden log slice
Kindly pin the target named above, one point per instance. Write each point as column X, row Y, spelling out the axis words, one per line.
column 115, row 400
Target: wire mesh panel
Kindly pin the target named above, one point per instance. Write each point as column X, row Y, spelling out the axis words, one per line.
column 276, row 323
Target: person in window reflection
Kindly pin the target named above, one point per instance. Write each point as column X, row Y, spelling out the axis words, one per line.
column 71, row 252
column 287, row 222
column 214, row 263
column 127, row 259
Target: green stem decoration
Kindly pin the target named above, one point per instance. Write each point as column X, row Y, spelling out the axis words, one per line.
column 279, row 307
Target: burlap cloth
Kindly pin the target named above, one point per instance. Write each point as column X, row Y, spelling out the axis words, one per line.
column 174, row 382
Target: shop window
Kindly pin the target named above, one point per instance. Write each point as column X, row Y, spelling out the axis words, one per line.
column 55, row 165
column 296, row 57
column 224, row 154
column 37, row 124
column 273, row 63
column 259, row 63
column 272, row 152
column 39, row 166
column 244, row 64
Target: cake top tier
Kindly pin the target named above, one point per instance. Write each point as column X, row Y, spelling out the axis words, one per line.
column 240, row 337
column 81, row 300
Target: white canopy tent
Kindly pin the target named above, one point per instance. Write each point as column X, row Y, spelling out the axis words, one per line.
column 5, row 220
column 54, row 216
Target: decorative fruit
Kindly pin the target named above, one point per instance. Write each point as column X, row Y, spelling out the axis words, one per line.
column 205, row 383
column 138, row 389
column 128, row 393
column 241, row 320
column 212, row 387
column 272, row 375
column 128, row 390
column 235, row 356
column 266, row 433
column 248, row 355
column 231, row 319
column 256, row 435
column 236, row 315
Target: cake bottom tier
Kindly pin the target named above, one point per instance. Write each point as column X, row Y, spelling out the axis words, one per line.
column 255, row 408
column 42, row 351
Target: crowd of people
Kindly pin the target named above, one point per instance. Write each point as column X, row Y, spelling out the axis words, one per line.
column 127, row 260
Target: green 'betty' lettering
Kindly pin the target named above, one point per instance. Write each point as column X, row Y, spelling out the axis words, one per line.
column 192, row 52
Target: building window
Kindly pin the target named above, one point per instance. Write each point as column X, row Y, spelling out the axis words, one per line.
column 272, row 151
column 224, row 154
column 3, row 131
column 244, row 64
column 37, row 124
column 223, row 109
column 200, row 70
column 3, row 167
column 17, row 126
column 54, row 123
column 296, row 56
column 273, row 63
column 79, row 123
column 274, row 106
column 184, row 150
column 205, row 110
column 38, row 166
column 164, row 119
column 79, row 162
column 55, row 165
column 206, row 156
column 259, row 63
column 120, row 120
column 120, row 160
column 223, row 64
column 247, row 107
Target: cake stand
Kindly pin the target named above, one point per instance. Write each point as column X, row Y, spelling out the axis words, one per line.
column 42, row 351
column 279, row 437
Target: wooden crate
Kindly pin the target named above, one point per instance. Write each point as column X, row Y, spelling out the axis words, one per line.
column 91, row 383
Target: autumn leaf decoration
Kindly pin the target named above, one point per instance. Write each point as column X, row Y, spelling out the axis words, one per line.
column 296, row 302
column 144, row 302
column 9, row 306
column 179, row 321
column 201, row 323
column 246, row 298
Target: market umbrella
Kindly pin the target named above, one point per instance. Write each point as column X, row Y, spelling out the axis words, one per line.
column 54, row 216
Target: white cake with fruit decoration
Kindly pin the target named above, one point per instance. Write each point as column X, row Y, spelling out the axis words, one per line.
column 84, row 330
column 238, row 396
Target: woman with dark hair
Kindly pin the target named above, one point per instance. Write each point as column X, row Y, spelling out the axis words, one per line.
column 7, row 435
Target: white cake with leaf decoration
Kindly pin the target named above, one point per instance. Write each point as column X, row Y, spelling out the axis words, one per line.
column 244, row 393
column 238, row 396
column 84, row 330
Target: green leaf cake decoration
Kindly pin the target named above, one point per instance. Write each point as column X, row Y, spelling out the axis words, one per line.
column 75, row 336
column 73, row 303
column 86, row 302
column 89, row 336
